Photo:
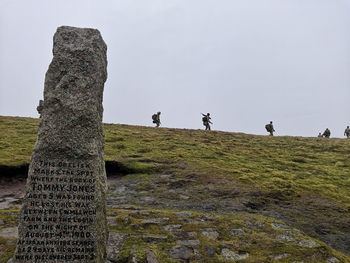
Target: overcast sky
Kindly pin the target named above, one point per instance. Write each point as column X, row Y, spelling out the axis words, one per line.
column 245, row 61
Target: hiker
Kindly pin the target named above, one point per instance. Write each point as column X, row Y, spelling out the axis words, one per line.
column 156, row 119
column 326, row 133
column 319, row 135
column 40, row 107
column 206, row 121
column 269, row 128
column 347, row 132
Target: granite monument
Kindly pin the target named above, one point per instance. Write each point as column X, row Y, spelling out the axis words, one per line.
column 63, row 218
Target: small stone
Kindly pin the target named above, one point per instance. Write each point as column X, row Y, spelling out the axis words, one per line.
column 285, row 237
column 255, row 224
column 332, row 260
column 127, row 221
column 165, row 176
column 9, row 232
column 111, row 221
column 210, row 251
column 184, row 197
column 281, row 256
column 231, row 255
column 144, row 213
column 181, row 252
column 172, row 228
column 135, row 226
column 148, row 200
column 210, row 234
column 278, row 226
column 154, row 238
column 197, row 254
column 114, row 245
column 191, row 234
column 120, row 189
column 308, row 243
column 188, row 243
column 154, row 221
column 8, row 202
column 184, row 214
column 237, row 232
column 151, row 257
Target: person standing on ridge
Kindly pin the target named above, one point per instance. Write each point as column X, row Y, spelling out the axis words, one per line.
column 156, row 119
column 40, row 107
column 326, row 133
column 206, row 121
column 347, row 132
column 269, row 128
column 319, row 135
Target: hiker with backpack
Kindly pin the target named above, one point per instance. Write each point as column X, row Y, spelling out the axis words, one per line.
column 206, row 121
column 269, row 128
column 326, row 133
column 156, row 119
column 347, row 132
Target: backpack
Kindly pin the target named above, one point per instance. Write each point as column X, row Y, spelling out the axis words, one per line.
column 154, row 118
column 268, row 127
column 205, row 119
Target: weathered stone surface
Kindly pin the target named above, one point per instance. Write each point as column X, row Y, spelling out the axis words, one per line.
column 237, row 232
column 172, row 228
column 181, row 252
column 8, row 202
column 280, row 256
column 9, row 232
column 210, row 251
column 151, row 257
column 188, row 243
column 111, row 220
column 233, row 256
column 154, row 238
column 308, row 243
column 115, row 243
column 63, row 218
column 332, row 260
column 210, row 233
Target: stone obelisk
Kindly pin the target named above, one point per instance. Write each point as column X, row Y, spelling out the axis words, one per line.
column 63, row 218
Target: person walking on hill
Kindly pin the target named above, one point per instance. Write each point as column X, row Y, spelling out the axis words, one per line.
column 347, row 132
column 206, row 121
column 40, row 107
column 326, row 133
column 269, row 128
column 156, row 119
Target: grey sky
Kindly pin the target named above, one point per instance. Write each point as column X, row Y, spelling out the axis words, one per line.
column 245, row 61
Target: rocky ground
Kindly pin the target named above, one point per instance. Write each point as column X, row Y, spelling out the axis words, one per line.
column 163, row 218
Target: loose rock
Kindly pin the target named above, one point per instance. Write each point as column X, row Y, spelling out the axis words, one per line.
column 231, row 255
column 308, row 243
column 181, row 252
column 115, row 243
column 151, row 257
column 188, row 243
column 9, row 232
column 210, row 234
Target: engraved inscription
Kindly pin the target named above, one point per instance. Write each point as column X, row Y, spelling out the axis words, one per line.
column 59, row 213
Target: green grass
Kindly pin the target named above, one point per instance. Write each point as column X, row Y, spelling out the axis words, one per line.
column 292, row 164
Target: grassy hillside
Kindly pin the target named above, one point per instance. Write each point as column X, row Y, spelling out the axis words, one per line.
column 304, row 182
column 290, row 165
